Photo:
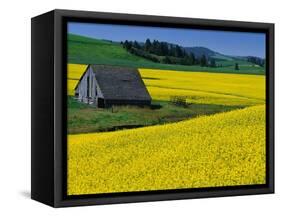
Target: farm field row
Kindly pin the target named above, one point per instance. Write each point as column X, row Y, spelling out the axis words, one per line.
column 163, row 157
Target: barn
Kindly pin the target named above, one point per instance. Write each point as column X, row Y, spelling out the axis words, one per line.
column 103, row 86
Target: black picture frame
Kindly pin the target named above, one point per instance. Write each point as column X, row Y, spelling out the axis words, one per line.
column 49, row 106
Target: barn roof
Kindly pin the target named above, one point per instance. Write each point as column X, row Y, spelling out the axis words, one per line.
column 120, row 83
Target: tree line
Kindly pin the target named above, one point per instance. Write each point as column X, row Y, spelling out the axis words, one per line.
column 163, row 52
column 256, row 60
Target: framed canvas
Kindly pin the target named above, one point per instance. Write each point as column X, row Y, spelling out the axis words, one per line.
column 134, row 108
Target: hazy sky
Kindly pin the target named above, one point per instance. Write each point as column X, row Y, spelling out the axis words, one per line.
column 230, row 43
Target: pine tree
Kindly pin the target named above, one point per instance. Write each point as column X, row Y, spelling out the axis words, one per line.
column 136, row 45
column 147, row 45
column 192, row 59
column 213, row 63
column 166, row 60
column 125, row 44
column 203, row 60
column 236, row 66
column 178, row 51
column 164, row 48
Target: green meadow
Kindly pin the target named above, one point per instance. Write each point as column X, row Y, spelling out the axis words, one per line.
column 83, row 50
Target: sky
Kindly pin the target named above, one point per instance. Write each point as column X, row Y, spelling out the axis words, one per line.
column 225, row 42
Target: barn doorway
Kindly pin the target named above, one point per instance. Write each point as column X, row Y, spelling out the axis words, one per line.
column 100, row 103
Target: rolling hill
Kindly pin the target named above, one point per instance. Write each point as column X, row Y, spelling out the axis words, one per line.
column 85, row 50
column 199, row 51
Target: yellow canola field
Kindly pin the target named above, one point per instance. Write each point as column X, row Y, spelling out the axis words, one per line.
column 74, row 73
column 224, row 149
column 202, row 87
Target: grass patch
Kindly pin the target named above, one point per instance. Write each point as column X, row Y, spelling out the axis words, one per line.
column 83, row 118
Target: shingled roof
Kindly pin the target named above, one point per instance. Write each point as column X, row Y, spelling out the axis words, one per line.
column 120, row 83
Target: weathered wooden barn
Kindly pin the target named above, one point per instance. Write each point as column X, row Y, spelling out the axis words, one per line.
column 104, row 86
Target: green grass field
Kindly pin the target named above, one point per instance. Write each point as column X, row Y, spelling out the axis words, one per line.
column 83, row 50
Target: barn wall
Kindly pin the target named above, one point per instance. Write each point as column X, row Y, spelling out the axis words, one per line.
column 99, row 91
column 81, row 90
column 82, row 87
column 111, row 102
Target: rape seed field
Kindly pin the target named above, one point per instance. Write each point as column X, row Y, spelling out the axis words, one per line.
column 74, row 73
column 220, row 150
column 202, row 87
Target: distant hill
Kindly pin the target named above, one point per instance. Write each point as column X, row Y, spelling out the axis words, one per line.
column 211, row 54
column 85, row 50
column 199, row 51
